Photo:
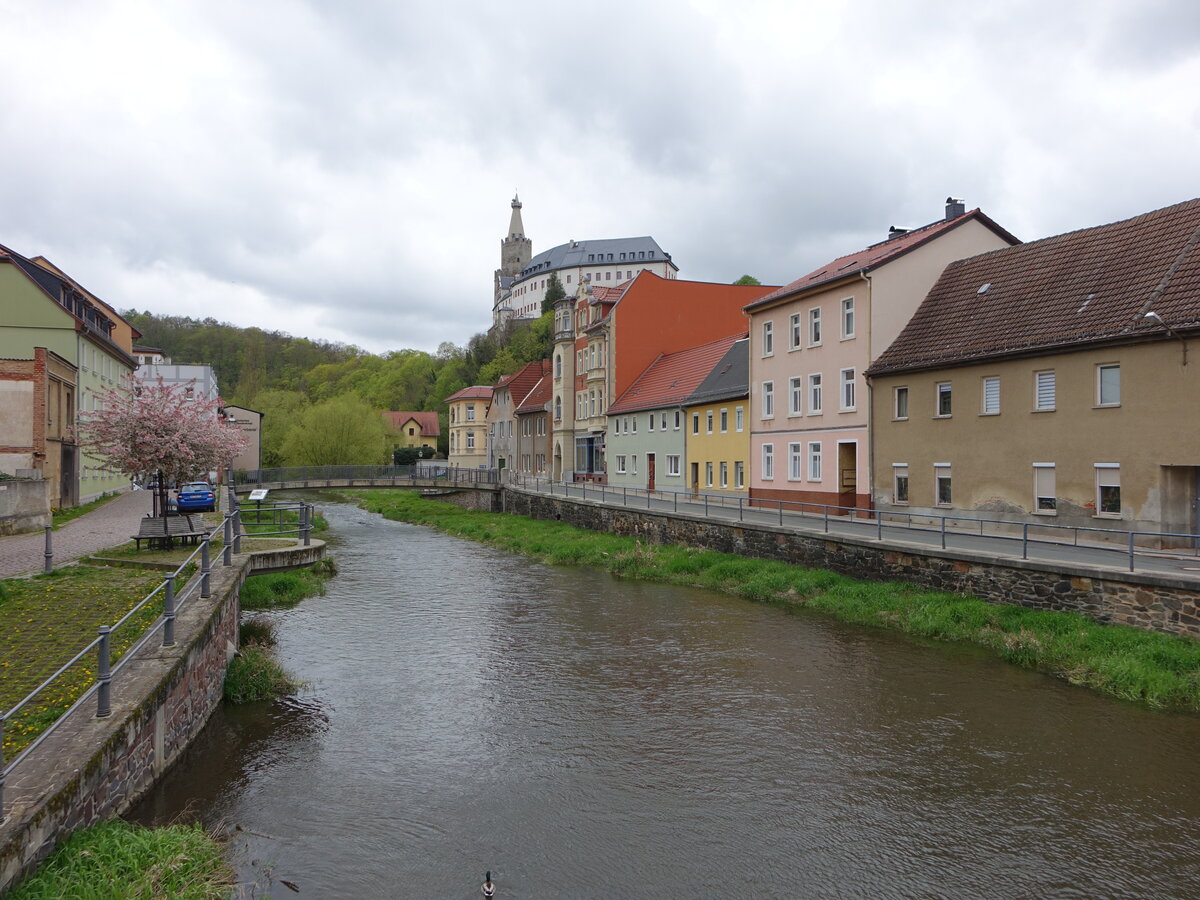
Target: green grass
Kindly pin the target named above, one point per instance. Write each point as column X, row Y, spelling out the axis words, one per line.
column 120, row 861
column 1159, row 670
column 283, row 590
column 47, row 619
column 63, row 515
column 255, row 675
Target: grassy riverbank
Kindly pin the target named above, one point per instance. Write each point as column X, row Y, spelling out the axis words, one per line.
column 1162, row 671
column 120, row 861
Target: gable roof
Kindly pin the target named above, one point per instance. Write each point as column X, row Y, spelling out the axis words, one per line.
column 535, row 401
column 877, row 255
column 520, row 382
column 1081, row 288
column 672, row 378
column 427, row 421
column 474, row 392
column 729, row 378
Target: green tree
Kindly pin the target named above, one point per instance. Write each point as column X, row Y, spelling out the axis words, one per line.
column 747, row 279
column 281, row 411
column 554, row 292
column 343, row 430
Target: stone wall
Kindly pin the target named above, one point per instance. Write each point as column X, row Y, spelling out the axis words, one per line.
column 24, row 505
column 1155, row 602
column 480, row 500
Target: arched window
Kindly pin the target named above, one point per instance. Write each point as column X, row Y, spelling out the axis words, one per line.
column 557, row 408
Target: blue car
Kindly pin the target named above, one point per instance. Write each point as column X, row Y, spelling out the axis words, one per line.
column 196, row 496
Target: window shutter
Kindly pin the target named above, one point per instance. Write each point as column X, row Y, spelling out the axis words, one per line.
column 1045, row 390
column 991, row 395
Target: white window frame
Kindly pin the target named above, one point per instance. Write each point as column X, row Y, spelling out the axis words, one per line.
column 814, row 394
column 943, row 472
column 768, row 338
column 795, row 332
column 620, row 463
column 943, row 389
column 768, row 399
column 708, row 421
column 673, row 464
column 796, row 461
column 739, row 418
column 768, row 462
column 896, row 411
column 814, row 327
column 848, row 396
column 695, row 423
column 847, row 318
column 900, row 471
column 1045, row 390
column 796, row 395
column 723, row 470
column 814, row 461
column 724, row 420
column 708, row 473
column 1101, row 368
column 739, row 474
column 1108, row 475
column 1045, row 501
column 989, row 402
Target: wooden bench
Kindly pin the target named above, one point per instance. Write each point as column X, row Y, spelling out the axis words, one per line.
column 179, row 527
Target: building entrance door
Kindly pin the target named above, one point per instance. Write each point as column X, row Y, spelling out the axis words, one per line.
column 695, row 478
column 847, row 474
column 649, row 471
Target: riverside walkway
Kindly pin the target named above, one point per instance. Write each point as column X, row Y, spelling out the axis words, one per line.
column 106, row 526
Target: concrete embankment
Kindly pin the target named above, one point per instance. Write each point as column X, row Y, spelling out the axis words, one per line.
column 90, row 769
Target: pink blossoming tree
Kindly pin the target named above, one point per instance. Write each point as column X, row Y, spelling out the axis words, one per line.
column 154, row 427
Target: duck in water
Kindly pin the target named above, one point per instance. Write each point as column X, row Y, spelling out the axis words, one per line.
column 489, row 886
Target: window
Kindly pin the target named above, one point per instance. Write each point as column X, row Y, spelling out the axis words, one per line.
column 739, row 418
column 814, row 461
column 1044, row 390
column 633, row 464
column 558, row 365
column 847, row 390
column 739, row 474
column 678, row 419
column 672, row 463
column 633, row 422
column 708, row 421
column 795, row 395
column 900, row 403
column 814, row 394
column 991, row 396
column 651, row 425
column 470, row 412
column 724, row 474
column 814, row 326
column 1108, row 490
column 470, row 440
column 768, row 338
column 944, row 398
column 1044, row 501
column 795, row 462
column 941, row 479
column 557, row 409
column 662, row 423
column 724, row 421
column 620, row 464
column 708, row 469
column 695, row 423
column 768, row 399
column 794, row 332
column 900, row 483
column 1108, row 385
column 768, row 461
column 848, row 318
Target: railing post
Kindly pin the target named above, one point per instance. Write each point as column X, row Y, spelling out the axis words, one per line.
column 308, row 511
column 740, row 514
column 1131, row 551
column 780, row 513
column 237, row 530
column 826, row 508
column 103, row 675
column 943, row 532
column 879, row 525
column 48, row 566
column 1, row 769
column 624, row 496
column 227, row 552
column 205, row 569
column 169, row 612
column 1024, row 540
column 675, row 499
column 706, row 506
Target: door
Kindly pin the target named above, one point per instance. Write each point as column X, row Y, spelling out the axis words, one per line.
column 695, row 478
column 847, row 474
column 649, row 471
column 67, row 494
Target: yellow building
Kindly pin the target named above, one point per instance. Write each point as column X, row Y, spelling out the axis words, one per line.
column 468, row 426
column 718, row 435
column 414, row 429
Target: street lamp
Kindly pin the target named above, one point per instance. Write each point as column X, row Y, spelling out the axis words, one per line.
column 1155, row 317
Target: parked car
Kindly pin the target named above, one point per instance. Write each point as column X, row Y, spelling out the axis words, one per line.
column 196, row 496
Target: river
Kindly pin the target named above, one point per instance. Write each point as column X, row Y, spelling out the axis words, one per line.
column 583, row 736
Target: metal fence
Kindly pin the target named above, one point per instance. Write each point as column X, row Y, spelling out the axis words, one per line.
column 313, row 476
column 1001, row 537
column 233, row 529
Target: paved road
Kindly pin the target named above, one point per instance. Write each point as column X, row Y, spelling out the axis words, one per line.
column 111, row 524
column 1182, row 564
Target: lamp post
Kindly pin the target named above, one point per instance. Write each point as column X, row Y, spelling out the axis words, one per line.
column 1155, row 317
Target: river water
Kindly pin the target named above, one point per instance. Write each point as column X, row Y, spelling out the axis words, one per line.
column 581, row 736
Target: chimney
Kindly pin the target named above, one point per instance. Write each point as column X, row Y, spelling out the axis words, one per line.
column 954, row 208
column 894, row 232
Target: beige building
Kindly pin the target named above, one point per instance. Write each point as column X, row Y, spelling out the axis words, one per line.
column 1050, row 383
column 249, row 422
column 468, row 412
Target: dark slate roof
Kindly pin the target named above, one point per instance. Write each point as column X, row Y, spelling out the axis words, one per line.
column 870, row 258
column 576, row 253
column 1085, row 287
column 672, row 378
column 729, row 379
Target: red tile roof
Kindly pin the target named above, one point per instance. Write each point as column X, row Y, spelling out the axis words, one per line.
column 1084, row 287
column 673, row 377
column 474, row 392
column 426, row 421
column 520, row 382
column 536, row 400
column 870, row 258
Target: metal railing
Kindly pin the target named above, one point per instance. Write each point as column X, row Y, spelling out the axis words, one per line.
column 233, row 528
column 317, row 476
column 1000, row 536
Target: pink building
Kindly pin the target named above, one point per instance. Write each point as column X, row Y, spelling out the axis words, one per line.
column 811, row 341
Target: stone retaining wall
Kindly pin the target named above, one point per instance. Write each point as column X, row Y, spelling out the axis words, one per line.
column 24, row 505
column 1152, row 601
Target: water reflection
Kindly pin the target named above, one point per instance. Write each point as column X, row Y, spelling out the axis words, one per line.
column 586, row 737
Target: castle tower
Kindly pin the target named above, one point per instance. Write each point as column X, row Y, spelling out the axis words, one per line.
column 515, row 252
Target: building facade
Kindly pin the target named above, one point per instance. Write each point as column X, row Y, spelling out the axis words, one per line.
column 718, row 433
column 414, row 428
column 811, row 342
column 507, row 395
column 468, row 410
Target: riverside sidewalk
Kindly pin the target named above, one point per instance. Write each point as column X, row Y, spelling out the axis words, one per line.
column 110, row 525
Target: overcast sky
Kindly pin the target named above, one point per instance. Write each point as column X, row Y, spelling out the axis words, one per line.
column 343, row 170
